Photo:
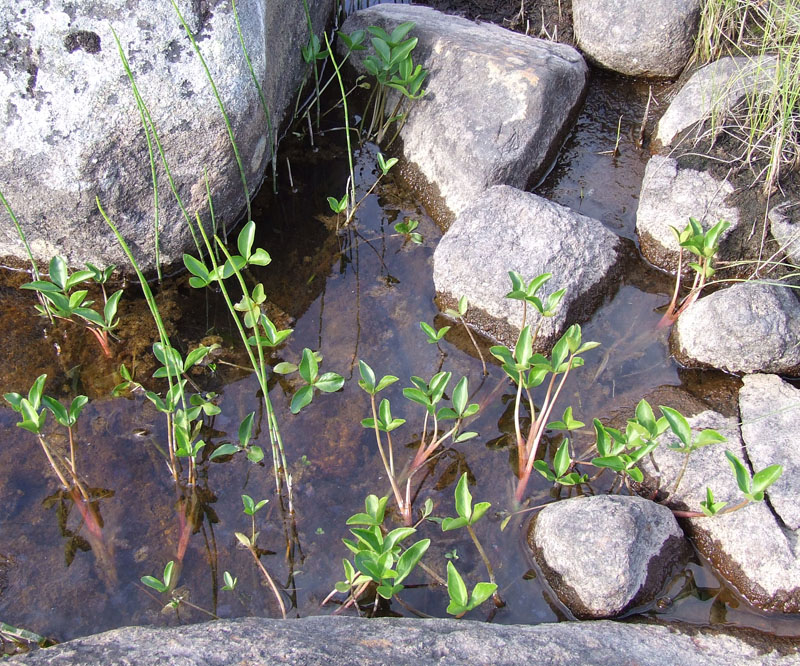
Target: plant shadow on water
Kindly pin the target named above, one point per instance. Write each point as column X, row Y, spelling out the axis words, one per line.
column 356, row 294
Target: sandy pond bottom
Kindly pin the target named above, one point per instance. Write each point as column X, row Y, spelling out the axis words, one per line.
column 358, row 294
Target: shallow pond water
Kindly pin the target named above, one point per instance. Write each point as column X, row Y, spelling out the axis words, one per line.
column 356, row 294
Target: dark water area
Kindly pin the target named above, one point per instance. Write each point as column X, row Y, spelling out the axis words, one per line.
column 358, row 293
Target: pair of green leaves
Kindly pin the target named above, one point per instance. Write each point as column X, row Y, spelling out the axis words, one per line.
column 526, row 291
column 561, row 464
column 467, row 513
column 328, row 382
column 753, row 488
column 255, row 454
column 29, row 408
column 161, row 585
column 460, row 601
column 203, row 277
column 385, row 422
column 407, row 230
column 66, row 304
column 433, row 335
column 703, row 244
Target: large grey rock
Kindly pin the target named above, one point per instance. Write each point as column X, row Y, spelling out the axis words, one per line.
column 750, row 547
column 668, row 198
column 498, row 102
column 70, row 129
column 653, row 38
column 605, row 554
column 506, row 229
column 770, row 410
column 749, row 327
column 714, row 89
column 347, row 640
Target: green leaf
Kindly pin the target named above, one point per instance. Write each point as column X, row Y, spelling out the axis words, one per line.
column 58, row 271
column 154, row 583
column 463, row 498
column 464, row 436
column 562, row 459
column 196, row 267
column 308, row 367
column 678, row 424
column 249, row 505
column 329, row 382
column 302, row 398
column 226, row 449
column 245, row 240
column 367, row 381
column 765, row 478
column 409, row 559
column 741, row 473
column 544, row 469
column 58, row 410
column 284, row 368
column 456, row 588
column 480, row 593
column 460, row 396
column 384, row 382
column 255, row 454
column 707, row 437
column 449, row 524
column 243, row 539
column 400, row 32
column 523, row 350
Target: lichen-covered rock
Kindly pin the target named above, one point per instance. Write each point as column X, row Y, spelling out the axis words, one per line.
column 770, row 410
column 669, row 197
column 750, row 547
column 636, row 38
column 498, row 103
column 607, row 553
column 715, row 89
column 70, row 129
column 749, row 327
column 506, row 229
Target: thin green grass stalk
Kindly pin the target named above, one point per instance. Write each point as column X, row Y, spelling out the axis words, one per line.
column 352, row 188
column 272, row 145
column 211, row 211
column 221, row 108
column 316, row 71
column 21, row 234
column 153, row 306
column 147, row 121
column 276, row 442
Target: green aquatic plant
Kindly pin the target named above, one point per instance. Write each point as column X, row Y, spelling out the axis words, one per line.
column 378, row 559
column 308, row 369
column 392, row 66
column 468, row 515
column 67, row 303
column 705, row 246
column 407, row 230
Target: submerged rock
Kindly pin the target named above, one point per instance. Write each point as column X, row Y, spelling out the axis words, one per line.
column 348, row 640
column 749, row 327
column 498, row 103
column 605, row 554
column 70, row 129
column 669, row 197
column 770, row 409
column 637, row 38
column 506, row 229
column 715, row 89
column 750, row 548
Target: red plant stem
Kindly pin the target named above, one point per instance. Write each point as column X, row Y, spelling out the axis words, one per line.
column 102, row 338
column 538, row 428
